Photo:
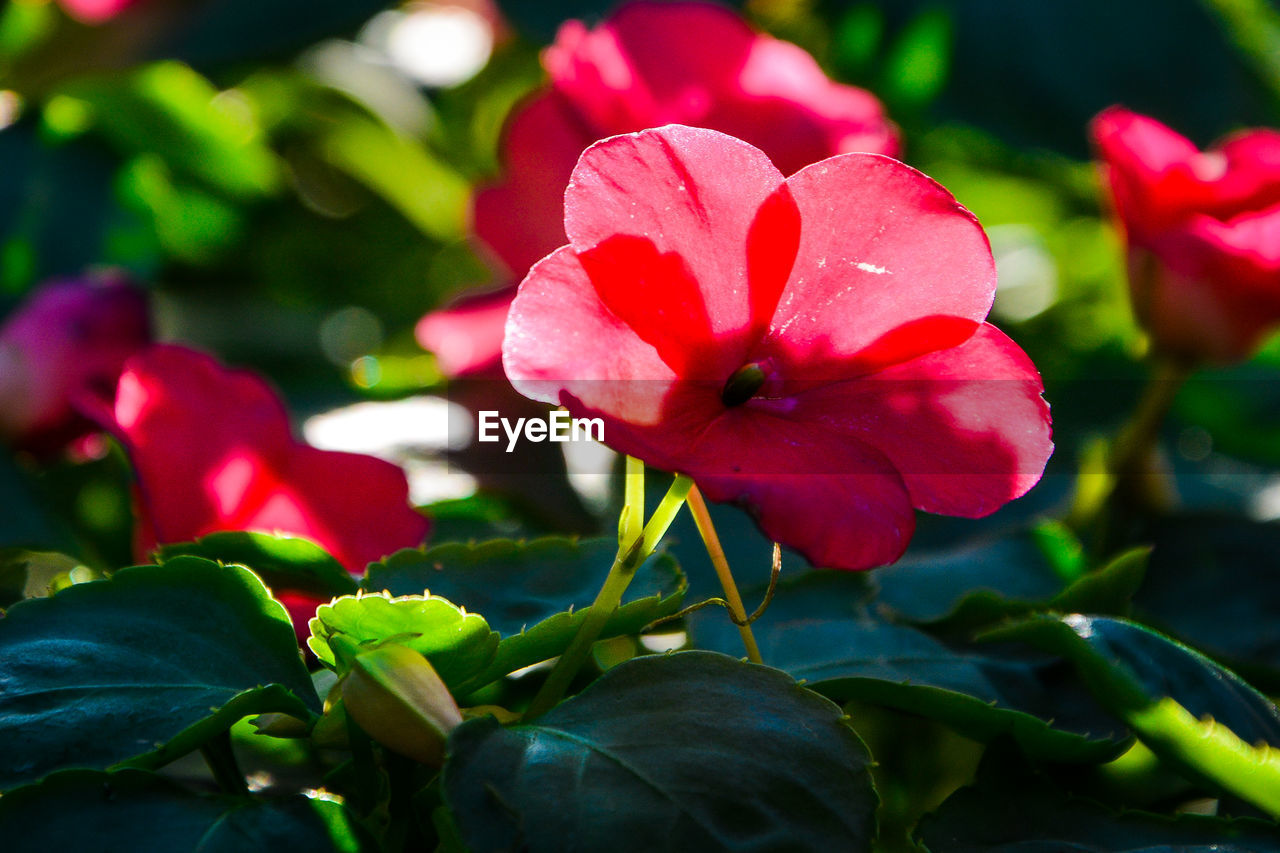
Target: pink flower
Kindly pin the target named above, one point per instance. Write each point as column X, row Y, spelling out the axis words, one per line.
column 212, row 450
column 95, row 11
column 648, row 65
column 64, row 346
column 1203, row 233
column 811, row 347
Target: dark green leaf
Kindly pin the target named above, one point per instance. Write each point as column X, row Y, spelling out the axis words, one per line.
column 822, row 628
column 1209, row 576
column 980, row 583
column 519, row 584
column 689, row 751
column 13, row 576
column 1191, row 712
column 928, row 586
column 144, row 813
column 1130, row 665
column 982, row 693
column 142, row 668
column 283, row 562
column 23, row 521
column 522, row 589
column 1018, row 812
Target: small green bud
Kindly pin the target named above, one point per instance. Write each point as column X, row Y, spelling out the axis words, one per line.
column 394, row 694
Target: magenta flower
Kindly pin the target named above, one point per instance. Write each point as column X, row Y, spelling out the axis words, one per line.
column 62, row 349
column 212, row 451
column 1203, row 233
column 812, row 348
column 648, row 65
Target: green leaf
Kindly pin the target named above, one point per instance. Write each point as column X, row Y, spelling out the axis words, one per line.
column 1209, row 576
column 1018, row 812
column 144, row 813
column 283, row 562
column 457, row 643
column 142, row 668
column 930, row 586
column 13, row 576
column 516, row 584
column 521, row 584
column 974, row 586
column 56, row 211
column 689, row 751
column 1188, row 710
column 168, row 109
column 981, row 693
column 404, row 173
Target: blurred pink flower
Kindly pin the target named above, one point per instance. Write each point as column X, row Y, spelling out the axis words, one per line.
column 1203, row 233
column 95, row 11
column 649, row 64
column 212, row 450
column 812, row 348
column 60, row 349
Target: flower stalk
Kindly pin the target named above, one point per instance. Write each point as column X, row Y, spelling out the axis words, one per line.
column 702, row 518
column 630, row 557
column 1130, row 460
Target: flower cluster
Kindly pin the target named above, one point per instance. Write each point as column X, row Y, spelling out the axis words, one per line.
column 648, row 65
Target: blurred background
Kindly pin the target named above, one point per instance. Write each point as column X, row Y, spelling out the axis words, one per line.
column 293, row 184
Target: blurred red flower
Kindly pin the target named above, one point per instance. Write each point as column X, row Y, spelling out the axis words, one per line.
column 648, row 65
column 65, row 345
column 1203, row 233
column 212, row 450
column 812, row 348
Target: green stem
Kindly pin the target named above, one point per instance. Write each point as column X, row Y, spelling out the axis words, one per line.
column 1129, row 460
column 702, row 518
column 221, row 759
column 632, row 522
column 630, row 556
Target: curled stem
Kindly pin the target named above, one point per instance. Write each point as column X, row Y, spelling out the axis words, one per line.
column 698, row 507
column 756, row 614
column 630, row 556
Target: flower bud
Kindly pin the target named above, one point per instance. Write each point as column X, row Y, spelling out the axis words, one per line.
column 1199, row 226
column 394, row 694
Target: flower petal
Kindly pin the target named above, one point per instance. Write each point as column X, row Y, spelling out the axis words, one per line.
column 1207, row 289
column 882, row 246
column 466, row 336
column 831, row 497
column 562, row 340
column 212, row 450
column 522, row 218
column 966, row 427
column 687, row 218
